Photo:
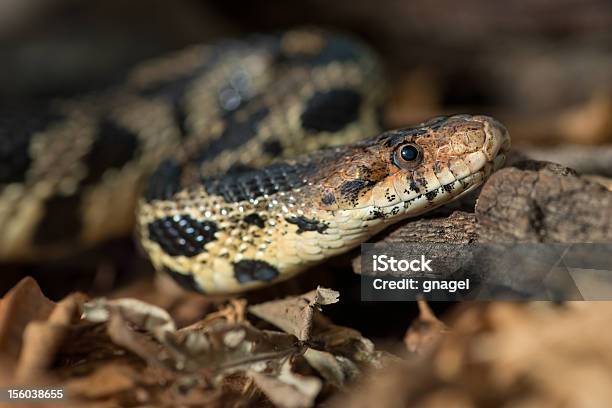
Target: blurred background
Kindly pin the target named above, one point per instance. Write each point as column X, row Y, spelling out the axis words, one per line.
column 543, row 67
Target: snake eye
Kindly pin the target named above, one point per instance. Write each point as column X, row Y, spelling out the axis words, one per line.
column 407, row 156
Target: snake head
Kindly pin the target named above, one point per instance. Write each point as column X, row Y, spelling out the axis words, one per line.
column 405, row 172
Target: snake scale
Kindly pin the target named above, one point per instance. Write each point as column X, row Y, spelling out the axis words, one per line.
column 246, row 161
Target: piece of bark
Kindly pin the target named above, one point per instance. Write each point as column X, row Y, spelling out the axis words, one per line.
column 459, row 227
column 543, row 202
column 438, row 230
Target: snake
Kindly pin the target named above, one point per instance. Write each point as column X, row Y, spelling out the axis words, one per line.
column 236, row 164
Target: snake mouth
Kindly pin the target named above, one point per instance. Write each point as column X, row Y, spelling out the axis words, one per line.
column 497, row 142
column 495, row 148
column 476, row 166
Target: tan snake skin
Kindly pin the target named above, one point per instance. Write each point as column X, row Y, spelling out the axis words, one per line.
column 234, row 232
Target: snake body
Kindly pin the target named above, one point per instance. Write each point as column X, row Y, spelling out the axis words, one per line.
column 252, row 155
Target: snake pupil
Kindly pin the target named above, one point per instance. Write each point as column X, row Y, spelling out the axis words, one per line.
column 409, row 153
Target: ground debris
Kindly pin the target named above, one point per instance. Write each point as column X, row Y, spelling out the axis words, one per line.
column 503, row 354
column 294, row 315
column 425, row 332
column 23, row 304
column 128, row 352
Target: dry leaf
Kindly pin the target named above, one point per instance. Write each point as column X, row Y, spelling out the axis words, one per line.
column 107, row 380
column 287, row 389
column 337, row 370
column 144, row 315
column 43, row 339
column 128, row 352
column 21, row 305
column 424, row 332
column 225, row 349
column 294, row 314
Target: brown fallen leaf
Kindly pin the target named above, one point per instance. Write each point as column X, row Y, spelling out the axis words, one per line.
column 234, row 312
column 225, row 349
column 20, row 306
column 335, row 352
column 347, row 342
column 126, row 352
column 425, row 332
column 287, row 389
column 294, row 314
column 335, row 369
column 212, row 349
column 43, row 339
column 148, row 317
column 106, row 381
column 214, row 345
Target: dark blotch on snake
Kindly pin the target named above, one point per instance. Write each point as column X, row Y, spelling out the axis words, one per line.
column 235, row 135
column 431, row 195
column 402, row 135
column 377, row 213
column 273, row 147
column 238, row 168
column 112, row 148
column 182, row 235
column 248, row 271
column 331, row 111
column 328, row 198
column 257, row 183
column 421, row 180
column 306, row 224
column 174, row 92
column 61, row 221
column 186, row 281
column 17, row 126
column 165, row 181
column 350, row 189
column 254, row 219
column 179, row 113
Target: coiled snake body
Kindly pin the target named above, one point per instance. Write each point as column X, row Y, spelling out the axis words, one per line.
column 247, row 186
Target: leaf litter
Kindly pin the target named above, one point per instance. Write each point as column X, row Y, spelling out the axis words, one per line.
column 287, row 353
column 128, row 352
